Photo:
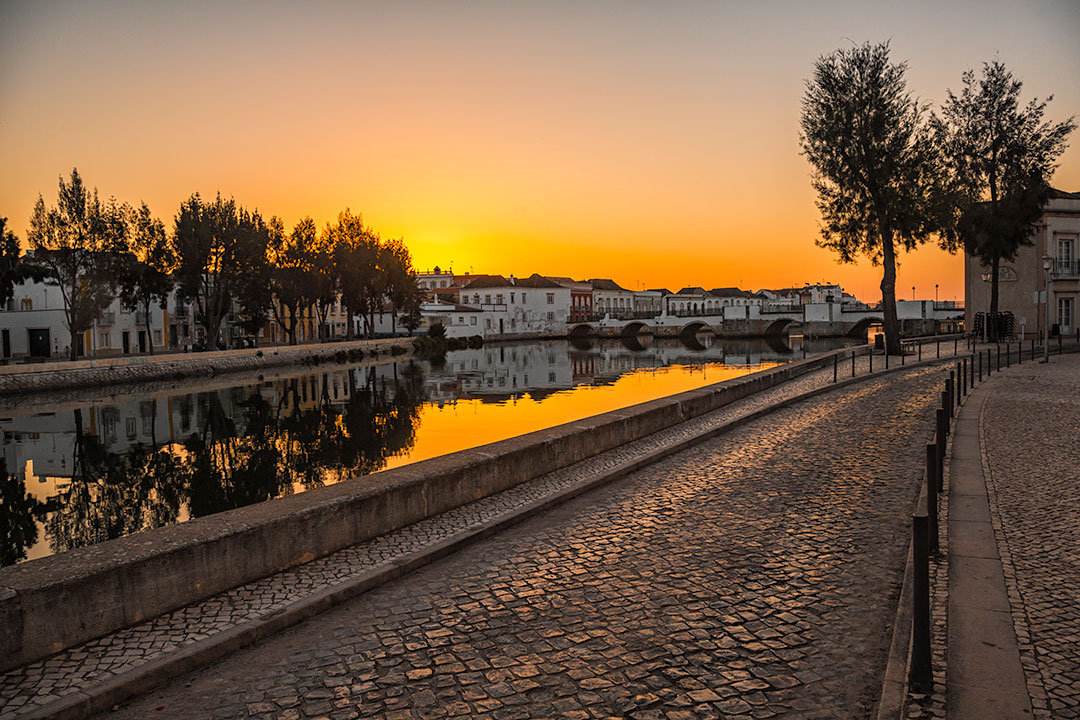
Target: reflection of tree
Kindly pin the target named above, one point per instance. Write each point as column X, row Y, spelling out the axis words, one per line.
column 115, row 494
column 230, row 470
column 244, row 450
column 19, row 514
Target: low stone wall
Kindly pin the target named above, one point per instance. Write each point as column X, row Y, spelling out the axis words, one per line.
column 56, row 602
column 30, row 378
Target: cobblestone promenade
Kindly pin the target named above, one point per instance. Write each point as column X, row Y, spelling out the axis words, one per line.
column 1030, row 429
column 755, row 575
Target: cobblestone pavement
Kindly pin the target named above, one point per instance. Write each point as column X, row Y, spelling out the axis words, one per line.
column 105, row 658
column 1030, row 433
column 754, row 575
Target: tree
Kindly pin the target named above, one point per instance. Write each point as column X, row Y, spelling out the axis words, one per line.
column 144, row 274
column 10, row 267
column 324, row 279
column 356, row 257
column 76, row 245
column 1000, row 157
column 207, row 236
column 401, row 286
column 292, row 264
column 254, row 293
column 877, row 174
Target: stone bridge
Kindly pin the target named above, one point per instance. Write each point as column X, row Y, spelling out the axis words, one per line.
column 816, row 319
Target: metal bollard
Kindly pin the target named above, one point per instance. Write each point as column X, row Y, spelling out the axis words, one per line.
column 954, row 345
column 1019, row 353
column 989, row 365
column 998, row 348
column 938, row 347
column 835, row 366
column 940, row 433
column 1059, row 343
column 902, row 356
column 949, row 384
column 920, row 674
column 852, row 363
column 886, row 358
column 932, row 495
column 979, row 356
column 920, row 351
column 870, row 359
column 1032, row 349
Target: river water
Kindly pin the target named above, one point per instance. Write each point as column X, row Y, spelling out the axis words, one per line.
column 96, row 465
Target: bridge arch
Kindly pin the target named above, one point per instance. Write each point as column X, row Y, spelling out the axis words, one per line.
column 582, row 330
column 635, row 328
column 780, row 326
column 692, row 328
column 858, row 330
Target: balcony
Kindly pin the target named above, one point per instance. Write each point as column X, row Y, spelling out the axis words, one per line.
column 107, row 318
column 1065, row 269
column 140, row 317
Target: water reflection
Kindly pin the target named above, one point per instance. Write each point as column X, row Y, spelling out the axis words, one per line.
column 85, row 472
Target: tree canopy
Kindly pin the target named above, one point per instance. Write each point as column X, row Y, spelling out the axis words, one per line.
column 877, row 174
column 1000, row 156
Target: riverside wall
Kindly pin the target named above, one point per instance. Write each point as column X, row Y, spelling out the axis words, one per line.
column 56, row 602
column 22, row 379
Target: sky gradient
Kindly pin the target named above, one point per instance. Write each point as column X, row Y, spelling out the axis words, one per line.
column 653, row 143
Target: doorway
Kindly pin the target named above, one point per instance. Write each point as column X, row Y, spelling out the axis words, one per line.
column 127, row 342
column 142, row 341
column 40, row 343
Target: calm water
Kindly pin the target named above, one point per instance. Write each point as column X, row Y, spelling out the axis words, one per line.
column 90, row 469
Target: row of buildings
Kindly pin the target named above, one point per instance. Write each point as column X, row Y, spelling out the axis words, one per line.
column 539, row 306
column 32, row 325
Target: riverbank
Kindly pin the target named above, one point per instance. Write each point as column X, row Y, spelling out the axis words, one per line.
column 23, row 379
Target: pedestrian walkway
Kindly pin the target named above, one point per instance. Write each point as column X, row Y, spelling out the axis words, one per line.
column 1012, row 644
column 1029, row 432
column 752, row 575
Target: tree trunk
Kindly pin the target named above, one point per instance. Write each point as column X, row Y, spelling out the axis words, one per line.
column 888, row 289
column 992, row 323
column 149, row 328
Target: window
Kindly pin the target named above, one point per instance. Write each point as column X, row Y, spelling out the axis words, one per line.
column 461, row 319
column 498, row 299
column 464, row 299
column 551, row 377
column 472, row 320
column 1065, row 315
column 511, row 298
column 26, row 304
column 551, row 317
column 487, row 323
column 523, row 298
column 487, row 299
column 551, row 298
column 476, row 299
column 1066, row 255
column 103, row 340
column 129, row 427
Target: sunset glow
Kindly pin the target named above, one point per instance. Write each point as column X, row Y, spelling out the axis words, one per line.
column 655, row 144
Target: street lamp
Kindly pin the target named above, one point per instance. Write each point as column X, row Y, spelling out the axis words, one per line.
column 912, row 293
column 1047, row 263
column 935, row 292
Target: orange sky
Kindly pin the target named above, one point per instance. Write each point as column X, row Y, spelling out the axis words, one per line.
column 654, row 143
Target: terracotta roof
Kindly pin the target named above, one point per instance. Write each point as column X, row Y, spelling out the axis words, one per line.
column 537, row 281
column 605, row 284
column 729, row 292
column 487, row 281
column 691, row 291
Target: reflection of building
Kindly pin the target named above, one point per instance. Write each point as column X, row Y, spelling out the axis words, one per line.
column 1058, row 238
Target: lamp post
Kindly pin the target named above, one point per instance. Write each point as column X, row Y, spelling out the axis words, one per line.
column 935, row 292
column 912, row 293
column 1047, row 263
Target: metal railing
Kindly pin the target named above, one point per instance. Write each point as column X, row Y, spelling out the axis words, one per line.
column 107, row 318
column 1065, row 268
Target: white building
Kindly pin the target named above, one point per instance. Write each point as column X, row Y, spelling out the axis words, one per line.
column 527, row 307
column 609, row 298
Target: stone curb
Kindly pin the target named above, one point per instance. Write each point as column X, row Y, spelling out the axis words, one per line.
column 84, row 704
column 895, row 683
